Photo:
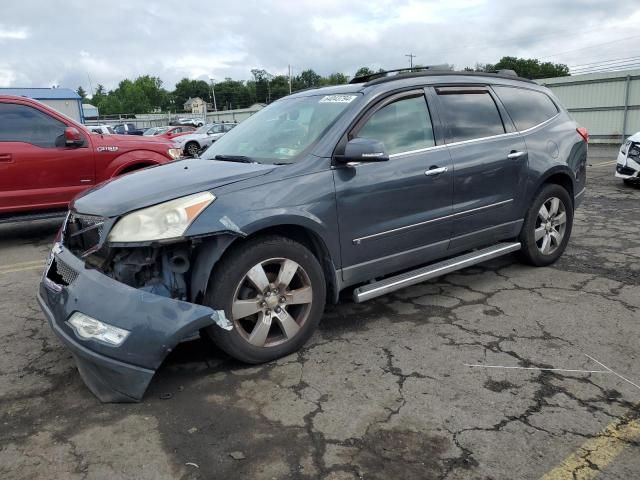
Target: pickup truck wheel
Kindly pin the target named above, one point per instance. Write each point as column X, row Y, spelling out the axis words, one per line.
column 192, row 149
column 547, row 226
column 273, row 291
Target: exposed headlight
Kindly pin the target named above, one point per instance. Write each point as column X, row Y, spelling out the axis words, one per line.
column 88, row 328
column 174, row 153
column 161, row 222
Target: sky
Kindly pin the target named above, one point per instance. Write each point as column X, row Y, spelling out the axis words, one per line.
column 74, row 43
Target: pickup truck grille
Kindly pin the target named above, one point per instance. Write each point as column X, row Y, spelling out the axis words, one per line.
column 83, row 233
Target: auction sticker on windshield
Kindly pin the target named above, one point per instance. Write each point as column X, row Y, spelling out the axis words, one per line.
column 338, row 98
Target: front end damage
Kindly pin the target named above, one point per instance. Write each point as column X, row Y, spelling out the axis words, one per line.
column 628, row 163
column 122, row 309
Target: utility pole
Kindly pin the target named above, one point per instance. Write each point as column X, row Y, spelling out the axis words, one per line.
column 289, row 79
column 213, row 94
column 411, row 57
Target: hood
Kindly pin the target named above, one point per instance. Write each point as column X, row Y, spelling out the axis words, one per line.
column 162, row 183
column 635, row 137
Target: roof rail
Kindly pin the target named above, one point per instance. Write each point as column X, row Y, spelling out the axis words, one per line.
column 433, row 73
column 383, row 73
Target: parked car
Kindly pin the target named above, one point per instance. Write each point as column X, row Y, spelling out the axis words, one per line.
column 194, row 122
column 323, row 190
column 153, row 131
column 194, row 143
column 46, row 158
column 100, row 129
column 127, row 129
column 173, row 132
column 628, row 164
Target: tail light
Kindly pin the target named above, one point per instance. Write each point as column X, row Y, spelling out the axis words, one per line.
column 583, row 133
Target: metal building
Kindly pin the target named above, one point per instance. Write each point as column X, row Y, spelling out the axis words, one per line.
column 64, row 100
column 607, row 104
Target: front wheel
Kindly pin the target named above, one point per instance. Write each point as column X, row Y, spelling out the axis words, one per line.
column 273, row 291
column 547, row 226
column 192, row 149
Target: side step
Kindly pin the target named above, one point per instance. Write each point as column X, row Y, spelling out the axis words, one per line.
column 391, row 284
column 26, row 217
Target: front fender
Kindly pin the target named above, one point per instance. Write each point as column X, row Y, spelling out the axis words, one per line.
column 133, row 158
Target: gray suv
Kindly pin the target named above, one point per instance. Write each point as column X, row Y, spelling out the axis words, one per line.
column 375, row 185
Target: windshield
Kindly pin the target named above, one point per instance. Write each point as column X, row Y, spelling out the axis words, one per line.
column 203, row 129
column 280, row 132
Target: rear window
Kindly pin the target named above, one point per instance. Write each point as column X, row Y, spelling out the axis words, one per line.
column 527, row 108
column 470, row 114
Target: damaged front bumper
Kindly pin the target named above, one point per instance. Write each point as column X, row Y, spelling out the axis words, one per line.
column 156, row 324
column 628, row 163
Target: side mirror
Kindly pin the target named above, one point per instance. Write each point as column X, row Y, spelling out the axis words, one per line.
column 72, row 137
column 363, row 150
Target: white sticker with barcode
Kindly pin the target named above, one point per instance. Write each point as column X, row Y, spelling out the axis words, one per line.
column 338, row 98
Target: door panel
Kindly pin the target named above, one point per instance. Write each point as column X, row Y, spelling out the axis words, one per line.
column 489, row 160
column 390, row 213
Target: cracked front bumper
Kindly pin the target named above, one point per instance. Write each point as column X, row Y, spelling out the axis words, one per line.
column 627, row 168
column 156, row 325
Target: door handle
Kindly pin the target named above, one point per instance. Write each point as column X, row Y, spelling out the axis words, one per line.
column 515, row 154
column 6, row 158
column 435, row 171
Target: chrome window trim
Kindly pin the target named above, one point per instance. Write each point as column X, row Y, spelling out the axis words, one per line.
column 357, row 241
column 419, row 150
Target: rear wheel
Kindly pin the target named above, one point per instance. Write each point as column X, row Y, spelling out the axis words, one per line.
column 547, row 226
column 273, row 291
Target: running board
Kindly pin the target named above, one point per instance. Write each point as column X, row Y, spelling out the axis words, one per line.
column 391, row 284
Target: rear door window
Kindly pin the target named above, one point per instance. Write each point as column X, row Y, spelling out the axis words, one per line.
column 21, row 123
column 527, row 108
column 402, row 126
column 470, row 114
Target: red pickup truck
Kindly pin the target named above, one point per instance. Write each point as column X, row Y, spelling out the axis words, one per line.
column 46, row 158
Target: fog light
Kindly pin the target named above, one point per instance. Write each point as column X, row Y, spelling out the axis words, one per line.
column 89, row 328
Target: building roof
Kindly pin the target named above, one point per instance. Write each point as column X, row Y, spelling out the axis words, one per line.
column 42, row 93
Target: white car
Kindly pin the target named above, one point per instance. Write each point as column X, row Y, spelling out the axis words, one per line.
column 101, row 129
column 628, row 165
column 202, row 138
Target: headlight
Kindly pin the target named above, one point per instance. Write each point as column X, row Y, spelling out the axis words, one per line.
column 174, row 153
column 88, row 328
column 161, row 222
column 625, row 147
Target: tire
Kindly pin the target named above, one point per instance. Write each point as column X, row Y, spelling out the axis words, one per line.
column 631, row 183
column 552, row 235
column 192, row 149
column 262, row 323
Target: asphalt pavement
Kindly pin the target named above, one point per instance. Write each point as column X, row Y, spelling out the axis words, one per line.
column 500, row 371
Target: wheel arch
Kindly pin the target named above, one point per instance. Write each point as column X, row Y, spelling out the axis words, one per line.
column 214, row 249
column 560, row 175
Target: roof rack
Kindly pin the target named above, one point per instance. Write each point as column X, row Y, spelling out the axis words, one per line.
column 383, row 73
column 381, row 77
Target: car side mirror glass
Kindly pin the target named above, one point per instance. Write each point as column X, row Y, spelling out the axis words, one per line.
column 72, row 137
column 364, row 150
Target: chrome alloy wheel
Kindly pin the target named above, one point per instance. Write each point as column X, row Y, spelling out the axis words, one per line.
column 550, row 225
column 272, row 302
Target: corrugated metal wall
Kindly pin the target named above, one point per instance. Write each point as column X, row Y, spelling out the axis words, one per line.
column 607, row 104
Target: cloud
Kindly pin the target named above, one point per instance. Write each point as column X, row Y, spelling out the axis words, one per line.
column 78, row 40
column 7, row 33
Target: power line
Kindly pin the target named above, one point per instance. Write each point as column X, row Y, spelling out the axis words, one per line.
column 604, row 61
column 606, row 65
column 591, row 46
column 609, row 69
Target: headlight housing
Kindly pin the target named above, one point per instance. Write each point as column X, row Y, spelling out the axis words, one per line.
column 161, row 222
column 88, row 328
column 174, row 153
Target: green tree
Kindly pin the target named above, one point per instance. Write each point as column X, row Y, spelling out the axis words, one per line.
column 531, row 68
column 335, row 79
column 362, row 71
column 80, row 91
column 186, row 89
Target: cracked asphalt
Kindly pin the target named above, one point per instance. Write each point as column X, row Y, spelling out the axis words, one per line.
column 383, row 390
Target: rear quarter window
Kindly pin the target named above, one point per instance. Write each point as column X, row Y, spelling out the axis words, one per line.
column 527, row 108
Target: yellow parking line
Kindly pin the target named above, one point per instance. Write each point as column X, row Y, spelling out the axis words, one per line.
column 596, row 452
column 23, row 269
column 21, row 264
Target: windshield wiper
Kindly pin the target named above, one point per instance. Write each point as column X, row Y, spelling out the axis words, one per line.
column 282, row 163
column 235, row 158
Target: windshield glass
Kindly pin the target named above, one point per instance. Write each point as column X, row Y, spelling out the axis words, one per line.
column 203, row 129
column 280, row 132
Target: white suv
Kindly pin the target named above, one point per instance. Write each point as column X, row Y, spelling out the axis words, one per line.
column 628, row 165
